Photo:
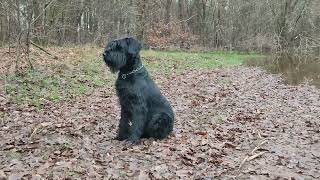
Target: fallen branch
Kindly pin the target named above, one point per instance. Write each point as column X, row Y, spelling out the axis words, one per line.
column 35, row 130
column 247, row 158
column 42, row 49
column 257, row 147
column 255, row 156
column 243, row 161
column 259, row 134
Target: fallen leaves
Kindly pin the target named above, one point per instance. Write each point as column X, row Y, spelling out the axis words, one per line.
column 2, row 175
column 224, row 119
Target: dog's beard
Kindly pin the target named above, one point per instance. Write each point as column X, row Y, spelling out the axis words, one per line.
column 116, row 61
column 113, row 69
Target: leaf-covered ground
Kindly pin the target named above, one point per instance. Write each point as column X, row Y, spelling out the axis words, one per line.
column 234, row 122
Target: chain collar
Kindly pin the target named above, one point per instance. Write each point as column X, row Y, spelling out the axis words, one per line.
column 124, row 76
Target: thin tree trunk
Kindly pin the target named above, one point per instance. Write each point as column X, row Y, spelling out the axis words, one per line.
column 168, row 11
column 9, row 34
column 141, row 22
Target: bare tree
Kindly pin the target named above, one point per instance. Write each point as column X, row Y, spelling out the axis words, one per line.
column 261, row 25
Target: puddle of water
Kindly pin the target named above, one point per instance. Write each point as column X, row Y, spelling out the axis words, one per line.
column 294, row 71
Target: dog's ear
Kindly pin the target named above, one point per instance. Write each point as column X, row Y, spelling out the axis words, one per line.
column 134, row 46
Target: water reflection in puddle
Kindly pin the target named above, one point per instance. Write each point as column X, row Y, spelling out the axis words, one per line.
column 294, row 71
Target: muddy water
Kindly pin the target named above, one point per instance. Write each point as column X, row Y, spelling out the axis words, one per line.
column 294, row 71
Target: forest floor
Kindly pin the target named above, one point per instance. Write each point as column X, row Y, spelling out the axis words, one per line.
column 232, row 122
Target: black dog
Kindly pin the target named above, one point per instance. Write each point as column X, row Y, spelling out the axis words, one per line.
column 145, row 112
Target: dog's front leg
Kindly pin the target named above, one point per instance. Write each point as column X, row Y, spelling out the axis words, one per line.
column 136, row 125
column 133, row 115
column 123, row 127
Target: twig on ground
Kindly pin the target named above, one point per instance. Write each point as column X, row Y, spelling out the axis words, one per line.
column 243, row 161
column 256, row 155
column 257, row 147
column 259, row 134
column 35, row 130
column 42, row 49
column 252, row 155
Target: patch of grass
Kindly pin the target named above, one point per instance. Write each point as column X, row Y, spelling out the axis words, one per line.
column 176, row 61
column 219, row 119
column 2, row 114
column 58, row 81
column 78, row 76
column 82, row 89
column 14, row 155
column 67, row 146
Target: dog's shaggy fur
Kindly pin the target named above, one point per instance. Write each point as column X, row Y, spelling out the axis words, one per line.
column 145, row 112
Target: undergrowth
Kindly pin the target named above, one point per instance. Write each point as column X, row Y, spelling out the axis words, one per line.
column 77, row 77
column 58, row 81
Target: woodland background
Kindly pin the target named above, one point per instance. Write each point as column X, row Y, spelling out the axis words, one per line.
column 212, row 59
column 264, row 26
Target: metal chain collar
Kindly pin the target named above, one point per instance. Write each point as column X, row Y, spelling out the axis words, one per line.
column 124, row 76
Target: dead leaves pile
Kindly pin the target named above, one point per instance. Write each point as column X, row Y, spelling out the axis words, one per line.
column 230, row 123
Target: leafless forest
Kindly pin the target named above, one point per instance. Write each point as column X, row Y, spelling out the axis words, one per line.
column 243, row 25
column 59, row 112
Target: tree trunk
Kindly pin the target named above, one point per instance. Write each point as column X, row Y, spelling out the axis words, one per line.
column 141, row 21
column 168, row 11
column 37, row 16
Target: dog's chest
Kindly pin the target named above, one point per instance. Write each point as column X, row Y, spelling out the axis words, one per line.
column 133, row 86
column 125, row 86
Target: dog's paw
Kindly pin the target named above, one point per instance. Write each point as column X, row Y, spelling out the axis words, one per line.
column 130, row 144
column 119, row 138
column 133, row 141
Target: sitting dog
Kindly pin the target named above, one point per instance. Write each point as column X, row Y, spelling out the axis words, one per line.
column 145, row 112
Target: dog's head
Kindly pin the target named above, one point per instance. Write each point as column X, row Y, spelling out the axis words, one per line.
column 120, row 53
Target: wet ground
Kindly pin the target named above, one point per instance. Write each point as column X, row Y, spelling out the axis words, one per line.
column 293, row 70
column 237, row 123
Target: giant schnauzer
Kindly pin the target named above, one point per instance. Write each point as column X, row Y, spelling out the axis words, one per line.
column 145, row 112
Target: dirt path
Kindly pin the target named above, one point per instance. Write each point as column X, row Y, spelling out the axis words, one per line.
column 222, row 118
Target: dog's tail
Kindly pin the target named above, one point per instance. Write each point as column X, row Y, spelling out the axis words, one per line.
column 160, row 126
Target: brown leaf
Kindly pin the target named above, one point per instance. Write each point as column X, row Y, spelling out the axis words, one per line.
column 229, row 145
column 202, row 133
